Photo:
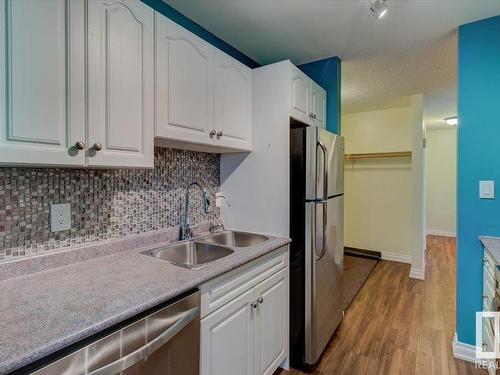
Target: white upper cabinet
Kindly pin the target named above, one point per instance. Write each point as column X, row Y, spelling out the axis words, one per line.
column 42, row 82
column 232, row 103
column 318, row 105
column 203, row 96
column 308, row 99
column 120, row 83
column 184, row 84
column 301, row 96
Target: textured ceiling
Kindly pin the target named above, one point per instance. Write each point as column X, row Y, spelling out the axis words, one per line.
column 377, row 81
column 411, row 50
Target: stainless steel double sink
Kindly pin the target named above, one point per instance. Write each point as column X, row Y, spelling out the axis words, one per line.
column 199, row 252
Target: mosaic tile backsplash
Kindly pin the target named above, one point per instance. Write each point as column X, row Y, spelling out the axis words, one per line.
column 105, row 204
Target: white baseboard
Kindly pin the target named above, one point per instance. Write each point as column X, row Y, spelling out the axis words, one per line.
column 437, row 232
column 463, row 351
column 395, row 257
column 417, row 273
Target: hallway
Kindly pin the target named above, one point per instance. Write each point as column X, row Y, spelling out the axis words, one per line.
column 398, row 325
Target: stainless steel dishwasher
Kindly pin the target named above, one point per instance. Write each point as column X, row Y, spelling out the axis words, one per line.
column 165, row 342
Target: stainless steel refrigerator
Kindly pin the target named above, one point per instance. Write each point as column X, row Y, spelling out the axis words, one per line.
column 317, row 248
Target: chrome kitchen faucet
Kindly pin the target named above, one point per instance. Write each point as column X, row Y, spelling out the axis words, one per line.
column 186, row 225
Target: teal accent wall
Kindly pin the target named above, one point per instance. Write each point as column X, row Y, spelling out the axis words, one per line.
column 196, row 29
column 326, row 73
column 478, row 157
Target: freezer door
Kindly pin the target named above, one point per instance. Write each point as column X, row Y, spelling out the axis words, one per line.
column 324, row 164
column 324, row 264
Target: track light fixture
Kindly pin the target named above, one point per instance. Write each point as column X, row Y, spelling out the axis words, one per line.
column 378, row 8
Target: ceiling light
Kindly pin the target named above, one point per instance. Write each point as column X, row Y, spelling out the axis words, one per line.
column 451, row 120
column 378, row 8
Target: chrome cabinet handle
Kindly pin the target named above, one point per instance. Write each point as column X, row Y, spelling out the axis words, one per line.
column 219, row 134
column 311, row 115
column 485, row 296
column 148, row 349
column 97, row 146
column 255, row 304
column 315, row 116
column 212, row 133
column 79, row 145
column 260, row 300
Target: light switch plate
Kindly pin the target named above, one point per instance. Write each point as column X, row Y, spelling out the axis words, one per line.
column 60, row 217
column 487, row 189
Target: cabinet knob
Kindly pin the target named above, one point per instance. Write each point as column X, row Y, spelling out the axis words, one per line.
column 79, row 145
column 315, row 116
column 255, row 305
column 485, row 296
column 260, row 300
column 311, row 115
column 219, row 134
column 212, row 133
column 97, row 146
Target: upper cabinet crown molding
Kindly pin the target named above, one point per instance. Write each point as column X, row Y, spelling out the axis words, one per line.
column 203, row 96
column 51, row 113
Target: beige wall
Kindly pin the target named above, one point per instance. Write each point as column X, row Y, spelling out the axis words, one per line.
column 378, row 191
column 441, row 181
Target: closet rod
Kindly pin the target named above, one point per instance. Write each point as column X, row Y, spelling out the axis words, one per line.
column 378, row 155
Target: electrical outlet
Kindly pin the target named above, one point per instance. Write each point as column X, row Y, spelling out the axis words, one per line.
column 60, row 217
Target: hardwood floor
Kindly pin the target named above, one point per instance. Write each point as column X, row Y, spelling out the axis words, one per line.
column 398, row 325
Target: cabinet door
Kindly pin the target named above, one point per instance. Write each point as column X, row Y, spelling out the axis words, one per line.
column 184, row 84
column 232, row 102
column 227, row 338
column 301, row 96
column 41, row 82
column 271, row 337
column 318, row 105
column 120, row 83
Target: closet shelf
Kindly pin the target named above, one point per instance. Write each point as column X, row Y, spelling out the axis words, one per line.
column 378, row 155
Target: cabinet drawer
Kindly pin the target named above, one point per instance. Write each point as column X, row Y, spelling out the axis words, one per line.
column 217, row 292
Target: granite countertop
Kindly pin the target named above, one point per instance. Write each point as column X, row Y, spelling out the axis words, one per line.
column 492, row 245
column 46, row 311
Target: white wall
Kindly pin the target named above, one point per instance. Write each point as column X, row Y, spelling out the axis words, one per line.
column 378, row 192
column 441, row 181
column 418, row 201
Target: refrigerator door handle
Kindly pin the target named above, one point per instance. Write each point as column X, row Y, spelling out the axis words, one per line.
column 325, row 223
column 324, row 201
column 325, row 169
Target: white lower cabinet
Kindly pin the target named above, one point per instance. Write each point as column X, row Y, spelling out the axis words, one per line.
column 270, row 337
column 489, row 304
column 228, row 338
column 248, row 334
